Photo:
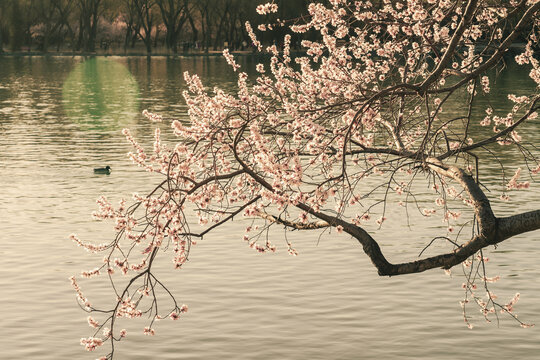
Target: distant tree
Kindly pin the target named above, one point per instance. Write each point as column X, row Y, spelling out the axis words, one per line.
column 2, row 24
column 235, row 24
column 65, row 10
column 48, row 22
column 223, row 16
column 146, row 18
column 293, row 10
column 229, row 18
column 89, row 13
column 81, row 23
column 16, row 25
column 334, row 139
column 174, row 14
column 111, row 28
column 129, row 16
column 205, row 11
column 194, row 29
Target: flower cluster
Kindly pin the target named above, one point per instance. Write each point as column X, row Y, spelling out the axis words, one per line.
column 91, row 343
column 267, row 8
column 514, row 184
column 80, row 297
column 331, row 137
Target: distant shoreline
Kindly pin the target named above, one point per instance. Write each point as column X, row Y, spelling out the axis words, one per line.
column 517, row 47
column 122, row 54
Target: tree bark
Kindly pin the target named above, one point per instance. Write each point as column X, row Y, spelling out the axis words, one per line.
column 173, row 16
column 491, row 230
column 194, row 29
column 16, row 28
column 146, row 22
column 1, row 40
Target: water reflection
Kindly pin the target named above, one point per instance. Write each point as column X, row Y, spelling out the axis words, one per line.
column 100, row 93
column 242, row 305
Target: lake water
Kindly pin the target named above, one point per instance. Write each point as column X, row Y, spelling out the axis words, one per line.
column 61, row 117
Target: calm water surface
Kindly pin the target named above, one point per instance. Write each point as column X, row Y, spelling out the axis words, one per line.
column 60, row 117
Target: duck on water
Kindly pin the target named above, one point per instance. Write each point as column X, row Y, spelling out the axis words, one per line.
column 104, row 170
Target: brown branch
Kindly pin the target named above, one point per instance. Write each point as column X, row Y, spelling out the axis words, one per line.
column 210, row 179
column 492, row 230
column 518, row 224
column 486, row 218
column 524, row 22
column 295, row 225
column 221, row 222
column 456, row 38
column 495, row 137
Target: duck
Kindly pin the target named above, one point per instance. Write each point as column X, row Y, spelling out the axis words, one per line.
column 105, row 170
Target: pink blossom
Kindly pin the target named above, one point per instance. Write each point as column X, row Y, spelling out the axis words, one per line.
column 152, row 117
column 514, row 184
column 267, row 8
column 428, row 212
column 91, row 343
column 230, row 59
column 92, row 322
column 328, row 135
column 149, row 331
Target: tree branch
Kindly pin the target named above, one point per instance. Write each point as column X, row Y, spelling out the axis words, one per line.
column 295, row 225
column 518, row 224
column 449, row 53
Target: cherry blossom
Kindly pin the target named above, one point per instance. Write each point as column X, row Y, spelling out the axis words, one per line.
column 361, row 121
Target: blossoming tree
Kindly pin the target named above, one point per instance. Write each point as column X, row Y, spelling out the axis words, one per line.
column 334, row 137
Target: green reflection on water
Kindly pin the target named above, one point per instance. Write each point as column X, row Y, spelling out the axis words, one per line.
column 101, row 94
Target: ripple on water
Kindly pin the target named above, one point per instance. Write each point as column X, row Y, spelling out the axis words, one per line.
column 327, row 303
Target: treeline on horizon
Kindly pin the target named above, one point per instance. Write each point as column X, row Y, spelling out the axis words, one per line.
column 150, row 26
column 88, row 26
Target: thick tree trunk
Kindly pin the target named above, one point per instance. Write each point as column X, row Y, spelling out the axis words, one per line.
column 80, row 35
column 220, row 31
column 64, row 11
column 1, row 41
column 148, row 43
column 206, row 34
column 156, row 37
column 173, row 42
column 2, row 21
column 45, row 44
column 491, row 230
column 518, row 224
column 134, row 37
column 194, row 29
column 127, row 37
column 93, row 34
column 16, row 30
column 145, row 22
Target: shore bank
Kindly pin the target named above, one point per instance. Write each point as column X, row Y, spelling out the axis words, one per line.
column 126, row 54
